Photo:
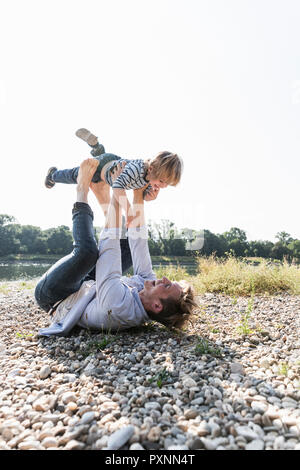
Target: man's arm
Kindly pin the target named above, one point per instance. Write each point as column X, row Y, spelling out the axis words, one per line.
column 138, row 215
column 110, row 290
column 138, row 238
column 113, row 220
column 121, row 197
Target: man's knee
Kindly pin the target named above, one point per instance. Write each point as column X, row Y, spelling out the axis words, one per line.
column 87, row 254
column 40, row 297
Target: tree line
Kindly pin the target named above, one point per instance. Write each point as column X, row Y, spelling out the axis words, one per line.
column 233, row 242
column 164, row 240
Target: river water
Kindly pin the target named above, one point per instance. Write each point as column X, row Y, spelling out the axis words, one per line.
column 13, row 271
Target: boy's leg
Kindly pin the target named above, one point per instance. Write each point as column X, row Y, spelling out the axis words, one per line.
column 66, row 276
column 92, row 141
column 68, row 176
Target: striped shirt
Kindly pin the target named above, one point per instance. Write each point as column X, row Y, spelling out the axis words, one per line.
column 132, row 176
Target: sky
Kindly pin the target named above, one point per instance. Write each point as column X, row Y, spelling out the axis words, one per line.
column 216, row 81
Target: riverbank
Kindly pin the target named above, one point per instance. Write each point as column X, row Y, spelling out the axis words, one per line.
column 52, row 258
column 229, row 381
column 24, row 267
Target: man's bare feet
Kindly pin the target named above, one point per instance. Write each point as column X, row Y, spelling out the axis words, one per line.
column 86, row 172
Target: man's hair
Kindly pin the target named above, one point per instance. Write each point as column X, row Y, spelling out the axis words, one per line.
column 176, row 313
column 168, row 166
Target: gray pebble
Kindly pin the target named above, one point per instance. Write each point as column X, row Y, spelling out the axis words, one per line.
column 45, row 372
column 120, row 437
column 87, row 417
column 256, row 444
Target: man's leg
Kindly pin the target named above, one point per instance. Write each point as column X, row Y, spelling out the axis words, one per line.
column 66, row 276
column 101, row 191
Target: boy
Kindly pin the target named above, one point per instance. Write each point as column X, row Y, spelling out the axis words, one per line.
column 163, row 170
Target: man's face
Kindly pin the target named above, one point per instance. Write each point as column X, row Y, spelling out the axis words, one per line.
column 161, row 289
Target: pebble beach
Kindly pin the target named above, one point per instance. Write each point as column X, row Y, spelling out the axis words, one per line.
column 229, row 381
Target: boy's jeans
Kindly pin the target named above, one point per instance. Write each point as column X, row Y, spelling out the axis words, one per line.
column 66, row 275
column 69, row 176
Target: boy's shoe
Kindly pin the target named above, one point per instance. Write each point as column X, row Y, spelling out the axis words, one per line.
column 49, row 183
column 87, row 136
column 97, row 150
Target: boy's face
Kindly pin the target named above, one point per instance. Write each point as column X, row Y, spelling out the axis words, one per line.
column 158, row 183
column 155, row 181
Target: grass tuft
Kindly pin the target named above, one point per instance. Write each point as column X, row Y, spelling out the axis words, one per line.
column 175, row 273
column 203, row 346
column 233, row 277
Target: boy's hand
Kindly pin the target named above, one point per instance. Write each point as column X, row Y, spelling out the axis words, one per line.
column 152, row 194
column 117, row 171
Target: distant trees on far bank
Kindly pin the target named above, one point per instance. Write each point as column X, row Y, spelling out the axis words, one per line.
column 236, row 243
column 29, row 239
column 164, row 240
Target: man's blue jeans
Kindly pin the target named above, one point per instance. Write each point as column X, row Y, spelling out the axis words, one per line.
column 66, row 275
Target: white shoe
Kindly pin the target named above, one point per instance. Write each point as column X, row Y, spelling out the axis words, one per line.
column 87, row 136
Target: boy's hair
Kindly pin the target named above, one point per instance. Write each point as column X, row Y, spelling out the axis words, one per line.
column 168, row 166
column 176, row 313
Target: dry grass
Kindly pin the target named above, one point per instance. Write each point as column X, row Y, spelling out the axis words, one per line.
column 234, row 277
column 174, row 273
column 9, row 287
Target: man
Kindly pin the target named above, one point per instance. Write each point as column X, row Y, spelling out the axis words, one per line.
column 111, row 301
